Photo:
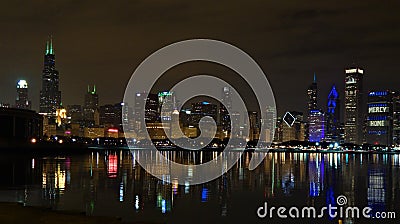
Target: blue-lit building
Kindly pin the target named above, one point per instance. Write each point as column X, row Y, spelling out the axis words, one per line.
column 316, row 126
column 380, row 118
column 333, row 116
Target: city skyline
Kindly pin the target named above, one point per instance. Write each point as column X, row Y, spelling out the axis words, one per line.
column 312, row 99
column 175, row 111
column 289, row 43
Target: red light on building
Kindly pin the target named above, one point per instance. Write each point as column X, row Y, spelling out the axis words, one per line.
column 113, row 130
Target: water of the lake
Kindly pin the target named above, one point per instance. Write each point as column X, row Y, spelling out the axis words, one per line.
column 112, row 183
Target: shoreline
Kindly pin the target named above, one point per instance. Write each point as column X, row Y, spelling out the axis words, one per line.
column 81, row 149
column 16, row 213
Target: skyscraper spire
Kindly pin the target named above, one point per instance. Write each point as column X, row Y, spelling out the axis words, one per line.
column 51, row 45
column 47, row 47
column 50, row 95
column 315, row 78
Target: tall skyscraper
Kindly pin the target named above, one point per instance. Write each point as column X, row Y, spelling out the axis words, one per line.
column 90, row 106
column 202, row 109
column 396, row 118
column 269, row 122
column 224, row 118
column 50, row 95
column 353, row 114
column 312, row 93
column 166, row 100
column 150, row 113
column 22, row 101
column 333, row 116
column 254, row 125
column 316, row 126
column 380, row 118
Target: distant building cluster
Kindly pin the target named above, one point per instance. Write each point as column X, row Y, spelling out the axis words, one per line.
column 371, row 117
column 371, row 120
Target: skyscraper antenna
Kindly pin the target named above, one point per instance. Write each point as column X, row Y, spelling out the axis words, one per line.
column 47, row 47
column 51, row 44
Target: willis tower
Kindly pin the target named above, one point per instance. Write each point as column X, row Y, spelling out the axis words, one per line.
column 50, row 95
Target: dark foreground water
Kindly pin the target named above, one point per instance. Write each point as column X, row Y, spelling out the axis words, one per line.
column 111, row 183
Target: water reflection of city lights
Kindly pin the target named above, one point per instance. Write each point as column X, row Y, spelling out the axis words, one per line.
column 112, row 166
column 187, row 187
column 137, row 202
column 175, row 186
column 121, row 192
column 204, row 195
column 163, row 206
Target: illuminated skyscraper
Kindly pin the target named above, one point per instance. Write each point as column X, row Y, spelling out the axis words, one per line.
column 149, row 113
column 316, row 126
column 50, row 95
column 312, row 93
column 90, row 106
column 380, row 118
column 333, row 116
column 269, row 122
column 254, row 125
column 396, row 118
column 202, row 109
column 294, row 132
column 166, row 100
column 223, row 110
column 353, row 114
column 22, row 100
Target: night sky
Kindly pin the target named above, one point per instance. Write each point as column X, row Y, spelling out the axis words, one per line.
column 102, row 42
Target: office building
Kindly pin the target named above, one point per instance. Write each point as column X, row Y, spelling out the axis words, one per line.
column 202, row 109
column 396, row 118
column 353, row 114
column 148, row 114
column 50, row 95
column 254, row 125
column 295, row 132
column 74, row 114
column 333, row 116
column 166, row 100
column 22, row 101
column 316, row 128
column 90, row 107
column 312, row 94
column 380, row 118
column 268, row 122
column 224, row 118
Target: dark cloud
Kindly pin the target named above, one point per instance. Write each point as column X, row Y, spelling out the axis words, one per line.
column 101, row 42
